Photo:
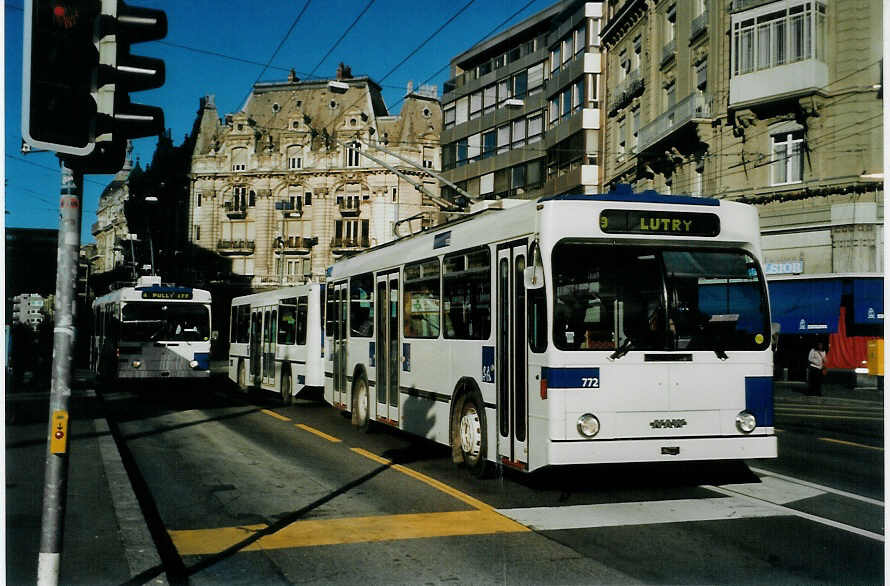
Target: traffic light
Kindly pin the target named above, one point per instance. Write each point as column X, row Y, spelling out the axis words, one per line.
column 120, row 72
column 78, row 72
column 59, row 75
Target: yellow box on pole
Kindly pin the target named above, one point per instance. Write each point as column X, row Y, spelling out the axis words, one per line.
column 876, row 357
column 58, row 439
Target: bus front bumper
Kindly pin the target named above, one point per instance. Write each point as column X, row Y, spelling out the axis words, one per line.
column 662, row 450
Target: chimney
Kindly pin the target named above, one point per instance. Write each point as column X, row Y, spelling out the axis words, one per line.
column 343, row 72
column 410, row 89
column 292, row 76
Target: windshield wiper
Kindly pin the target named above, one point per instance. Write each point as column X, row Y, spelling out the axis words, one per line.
column 622, row 350
column 720, row 354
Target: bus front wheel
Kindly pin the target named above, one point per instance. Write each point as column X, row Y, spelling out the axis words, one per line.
column 287, row 391
column 472, row 437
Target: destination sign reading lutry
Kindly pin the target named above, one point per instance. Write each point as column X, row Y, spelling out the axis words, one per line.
column 660, row 223
column 166, row 294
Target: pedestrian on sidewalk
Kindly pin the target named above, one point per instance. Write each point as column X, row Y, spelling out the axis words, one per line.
column 816, row 369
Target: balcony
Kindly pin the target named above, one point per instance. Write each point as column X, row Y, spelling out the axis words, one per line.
column 689, row 108
column 668, row 52
column 626, row 90
column 779, row 82
column 699, row 26
column 235, row 246
column 296, row 245
column 349, row 208
column 349, row 245
column 234, row 213
column 289, row 209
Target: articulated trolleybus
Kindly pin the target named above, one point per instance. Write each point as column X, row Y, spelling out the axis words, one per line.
column 568, row 330
column 276, row 340
column 152, row 332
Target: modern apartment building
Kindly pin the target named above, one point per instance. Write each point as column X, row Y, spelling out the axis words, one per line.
column 309, row 171
column 28, row 308
column 771, row 102
column 522, row 109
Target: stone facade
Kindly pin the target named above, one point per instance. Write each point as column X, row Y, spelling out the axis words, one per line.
column 276, row 191
column 773, row 103
column 110, row 229
column 522, row 111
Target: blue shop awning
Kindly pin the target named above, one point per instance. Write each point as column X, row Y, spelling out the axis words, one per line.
column 806, row 307
column 868, row 301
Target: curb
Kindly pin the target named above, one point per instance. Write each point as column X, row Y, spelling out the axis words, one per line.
column 139, row 548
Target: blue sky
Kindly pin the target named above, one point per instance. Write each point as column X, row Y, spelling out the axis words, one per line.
column 223, row 40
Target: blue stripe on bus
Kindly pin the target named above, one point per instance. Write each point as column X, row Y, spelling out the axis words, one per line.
column 572, row 378
column 203, row 359
column 759, row 398
column 648, row 196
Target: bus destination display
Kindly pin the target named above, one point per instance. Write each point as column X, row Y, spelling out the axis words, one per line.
column 166, row 294
column 659, row 222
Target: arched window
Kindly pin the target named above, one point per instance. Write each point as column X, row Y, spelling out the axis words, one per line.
column 294, row 157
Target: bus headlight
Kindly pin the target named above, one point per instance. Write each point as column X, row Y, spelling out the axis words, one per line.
column 588, row 425
column 193, row 364
column 136, row 363
column 745, row 422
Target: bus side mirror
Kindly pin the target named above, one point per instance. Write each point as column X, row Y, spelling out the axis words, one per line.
column 533, row 277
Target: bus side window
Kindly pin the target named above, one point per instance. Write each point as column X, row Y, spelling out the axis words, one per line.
column 302, row 319
column 466, row 295
column 537, row 320
column 361, row 305
column 287, row 321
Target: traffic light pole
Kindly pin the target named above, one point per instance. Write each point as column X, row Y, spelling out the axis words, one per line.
column 56, row 475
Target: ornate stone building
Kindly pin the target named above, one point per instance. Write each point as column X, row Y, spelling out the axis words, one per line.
column 282, row 187
column 110, row 230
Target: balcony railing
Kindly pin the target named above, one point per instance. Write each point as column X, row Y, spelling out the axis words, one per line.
column 234, row 212
column 289, row 209
column 690, row 107
column 341, row 245
column 626, row 90
column 294, row 245
column 699, row 25
column 349, row 209
column 236, row 246
column 668, row 51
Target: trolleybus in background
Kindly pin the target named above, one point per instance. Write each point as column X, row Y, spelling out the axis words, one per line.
column 276, row 340
column 568, row 330
column 151, row 332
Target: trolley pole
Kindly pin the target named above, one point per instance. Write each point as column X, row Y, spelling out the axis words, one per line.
column 56, row 475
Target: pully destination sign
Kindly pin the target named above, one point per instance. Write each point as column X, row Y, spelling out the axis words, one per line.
column 166, row 294
column 659, row 223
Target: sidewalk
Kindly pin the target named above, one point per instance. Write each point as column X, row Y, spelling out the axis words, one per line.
column 832, row 394
column 104, row 534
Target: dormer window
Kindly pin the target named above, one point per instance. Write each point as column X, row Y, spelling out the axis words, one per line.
column 239, row 159
column 294, row 157
column 352, row 154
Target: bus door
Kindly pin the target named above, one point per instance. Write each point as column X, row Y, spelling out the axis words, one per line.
column 255, row 350
column 389, row 356
column 270, row 331
column 511, row 369
column 339, row 295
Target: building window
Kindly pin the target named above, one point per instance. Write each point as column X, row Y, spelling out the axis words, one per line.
column 670, row 95
column 489, row 98
column 503, row 138
column 197, row 233
column 593, row 90
column 580, row 37
column 623, row 65
column 475, row 105
column 198, row 203
column 461, row 152
column 427, row 157
column 474, row 146
column 638, row 51
column 520, row 84
column 670, row 32
column 239, row 198
column 701, row 76
column 578, row 95
column 787, row 157
column 239, row 159
column 486, row 184
column 698, row 177
column 554, row 110
column 352, row 154
column 448, row 114
column 307, row 198
column 634, row 129
column 518, row 133
column 535, row 78
column 622, row 134
column 555, row 61
column 535, row 128
column 566, row 102
column 792, row 33
column 489, row 143
column 294, row 157
column 251, row 199
column 504, row 90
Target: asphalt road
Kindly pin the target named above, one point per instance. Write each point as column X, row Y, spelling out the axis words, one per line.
column 244, row 491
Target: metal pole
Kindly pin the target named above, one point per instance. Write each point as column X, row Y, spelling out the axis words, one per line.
column 56, row 475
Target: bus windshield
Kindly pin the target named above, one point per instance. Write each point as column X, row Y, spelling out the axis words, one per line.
column 614, row 297
column 151, row 320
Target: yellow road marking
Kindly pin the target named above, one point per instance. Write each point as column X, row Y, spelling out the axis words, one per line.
column 837, row 441
column 475, row 503
column 275, row 415
column 330, row 438
column 349, row 530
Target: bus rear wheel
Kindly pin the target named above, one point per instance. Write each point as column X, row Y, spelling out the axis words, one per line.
column 287, row 391
column 472, row 437
column 361, row 410
column 242, row 377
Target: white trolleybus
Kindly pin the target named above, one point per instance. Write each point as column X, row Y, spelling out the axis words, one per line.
column 569, row 330
column 276, row 340
column 151, row 332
